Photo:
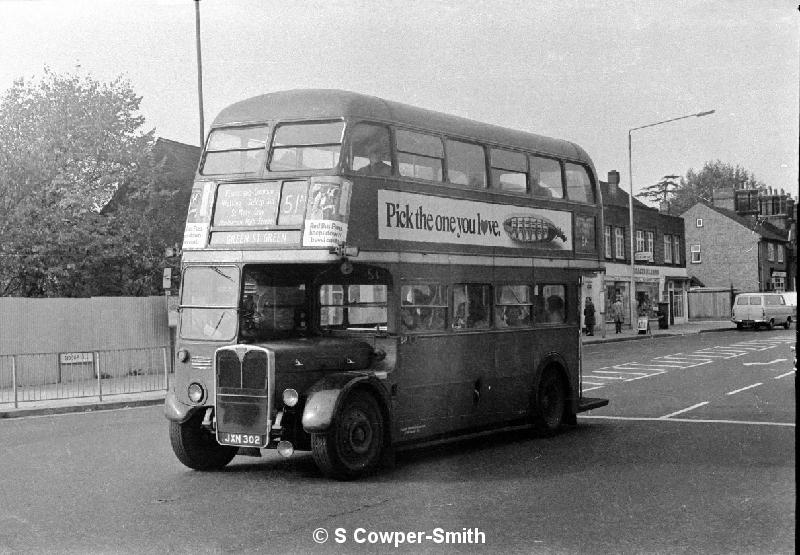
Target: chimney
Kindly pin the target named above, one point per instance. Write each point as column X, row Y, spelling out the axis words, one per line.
column 723, row 198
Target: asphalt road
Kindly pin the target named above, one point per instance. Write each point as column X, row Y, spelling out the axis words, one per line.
column 643, row 475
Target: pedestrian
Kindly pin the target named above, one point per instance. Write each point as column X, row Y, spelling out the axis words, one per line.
column 617, row 314
column 588, row 316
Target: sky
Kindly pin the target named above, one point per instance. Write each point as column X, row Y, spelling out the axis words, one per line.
column 585, row 71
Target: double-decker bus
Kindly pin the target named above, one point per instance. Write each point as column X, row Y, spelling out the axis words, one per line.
column 360, row 275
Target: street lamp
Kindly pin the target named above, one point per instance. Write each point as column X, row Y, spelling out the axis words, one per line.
column 632, row 292
column 199, row 71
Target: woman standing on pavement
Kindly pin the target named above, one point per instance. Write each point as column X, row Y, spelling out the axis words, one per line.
column 588, row 315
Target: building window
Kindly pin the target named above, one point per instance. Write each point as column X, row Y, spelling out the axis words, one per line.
column 699, row 222
column 696, row 254
column 607, row 239
column 778, row 283
column 619, row 243
column 676, row 250
column 780, row 253
column 639, row 240
column 771, row 252
column 668, row 249
column 650, row 246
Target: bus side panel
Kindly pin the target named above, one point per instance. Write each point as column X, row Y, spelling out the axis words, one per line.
column 442, row 384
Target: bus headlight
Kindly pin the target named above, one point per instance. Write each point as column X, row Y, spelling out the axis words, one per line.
column 196, row 392
column 290, row 397
column 183, row 355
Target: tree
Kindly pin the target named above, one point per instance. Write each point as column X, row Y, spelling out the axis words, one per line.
column 68, row 144
column 662, row 191
column 699, row 186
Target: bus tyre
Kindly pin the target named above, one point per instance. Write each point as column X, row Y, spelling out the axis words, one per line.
column 196, row 447
column 353, row 444
column 550, row 403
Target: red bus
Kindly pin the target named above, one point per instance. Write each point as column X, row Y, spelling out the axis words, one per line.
column 360, row 275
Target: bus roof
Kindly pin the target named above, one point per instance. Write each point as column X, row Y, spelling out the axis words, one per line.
column 332, row 103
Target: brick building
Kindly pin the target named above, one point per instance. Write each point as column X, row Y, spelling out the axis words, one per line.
column 659, row 265
column 744, row 240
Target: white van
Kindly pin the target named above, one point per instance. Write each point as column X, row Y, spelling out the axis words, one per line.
column 761, row 309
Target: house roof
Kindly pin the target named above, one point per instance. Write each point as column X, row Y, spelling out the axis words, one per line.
column 620, row 197
column 763, row 228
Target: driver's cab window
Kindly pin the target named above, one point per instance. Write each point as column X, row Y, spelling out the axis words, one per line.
column 370, row 150
column 272, row 306
column 353, row 306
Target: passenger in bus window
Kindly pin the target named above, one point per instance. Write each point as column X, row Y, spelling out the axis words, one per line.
column 555, row 309
column 377, row 164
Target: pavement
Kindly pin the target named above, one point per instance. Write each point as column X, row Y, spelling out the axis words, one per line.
column 128, row 400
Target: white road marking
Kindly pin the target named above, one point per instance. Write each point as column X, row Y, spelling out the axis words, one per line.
column 698, row 405
column 784, row 375
column 735, row 391
column 764, row 363
column 692, row 420
column 679, row 361
column 619, row 372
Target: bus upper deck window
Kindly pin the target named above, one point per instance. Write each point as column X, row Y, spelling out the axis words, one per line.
column 420, row 155
column 546, row 177
column 509, row 171
column 306, row 146
column 235, row 150
column 466, row 164
column 370, row 150
column 579, row 184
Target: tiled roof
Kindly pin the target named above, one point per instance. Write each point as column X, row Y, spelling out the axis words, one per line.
column 763, row 228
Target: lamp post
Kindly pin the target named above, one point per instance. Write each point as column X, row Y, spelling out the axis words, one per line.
column 632, row 292
column 199, row 71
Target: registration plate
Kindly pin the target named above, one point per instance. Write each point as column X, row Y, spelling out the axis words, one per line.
column 242, row 440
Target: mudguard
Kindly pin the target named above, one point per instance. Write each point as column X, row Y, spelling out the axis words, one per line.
column 324, row 397
column 176, row 411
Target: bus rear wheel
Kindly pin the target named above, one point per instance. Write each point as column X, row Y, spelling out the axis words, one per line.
column 196, row 447
column 354, row 443
column 550, row 404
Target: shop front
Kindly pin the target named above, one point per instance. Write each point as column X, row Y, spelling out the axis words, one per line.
column 652, row 285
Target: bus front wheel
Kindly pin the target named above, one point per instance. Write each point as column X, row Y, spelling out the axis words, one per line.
column 550, row 403
column 354, row 442
column 196, row 447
